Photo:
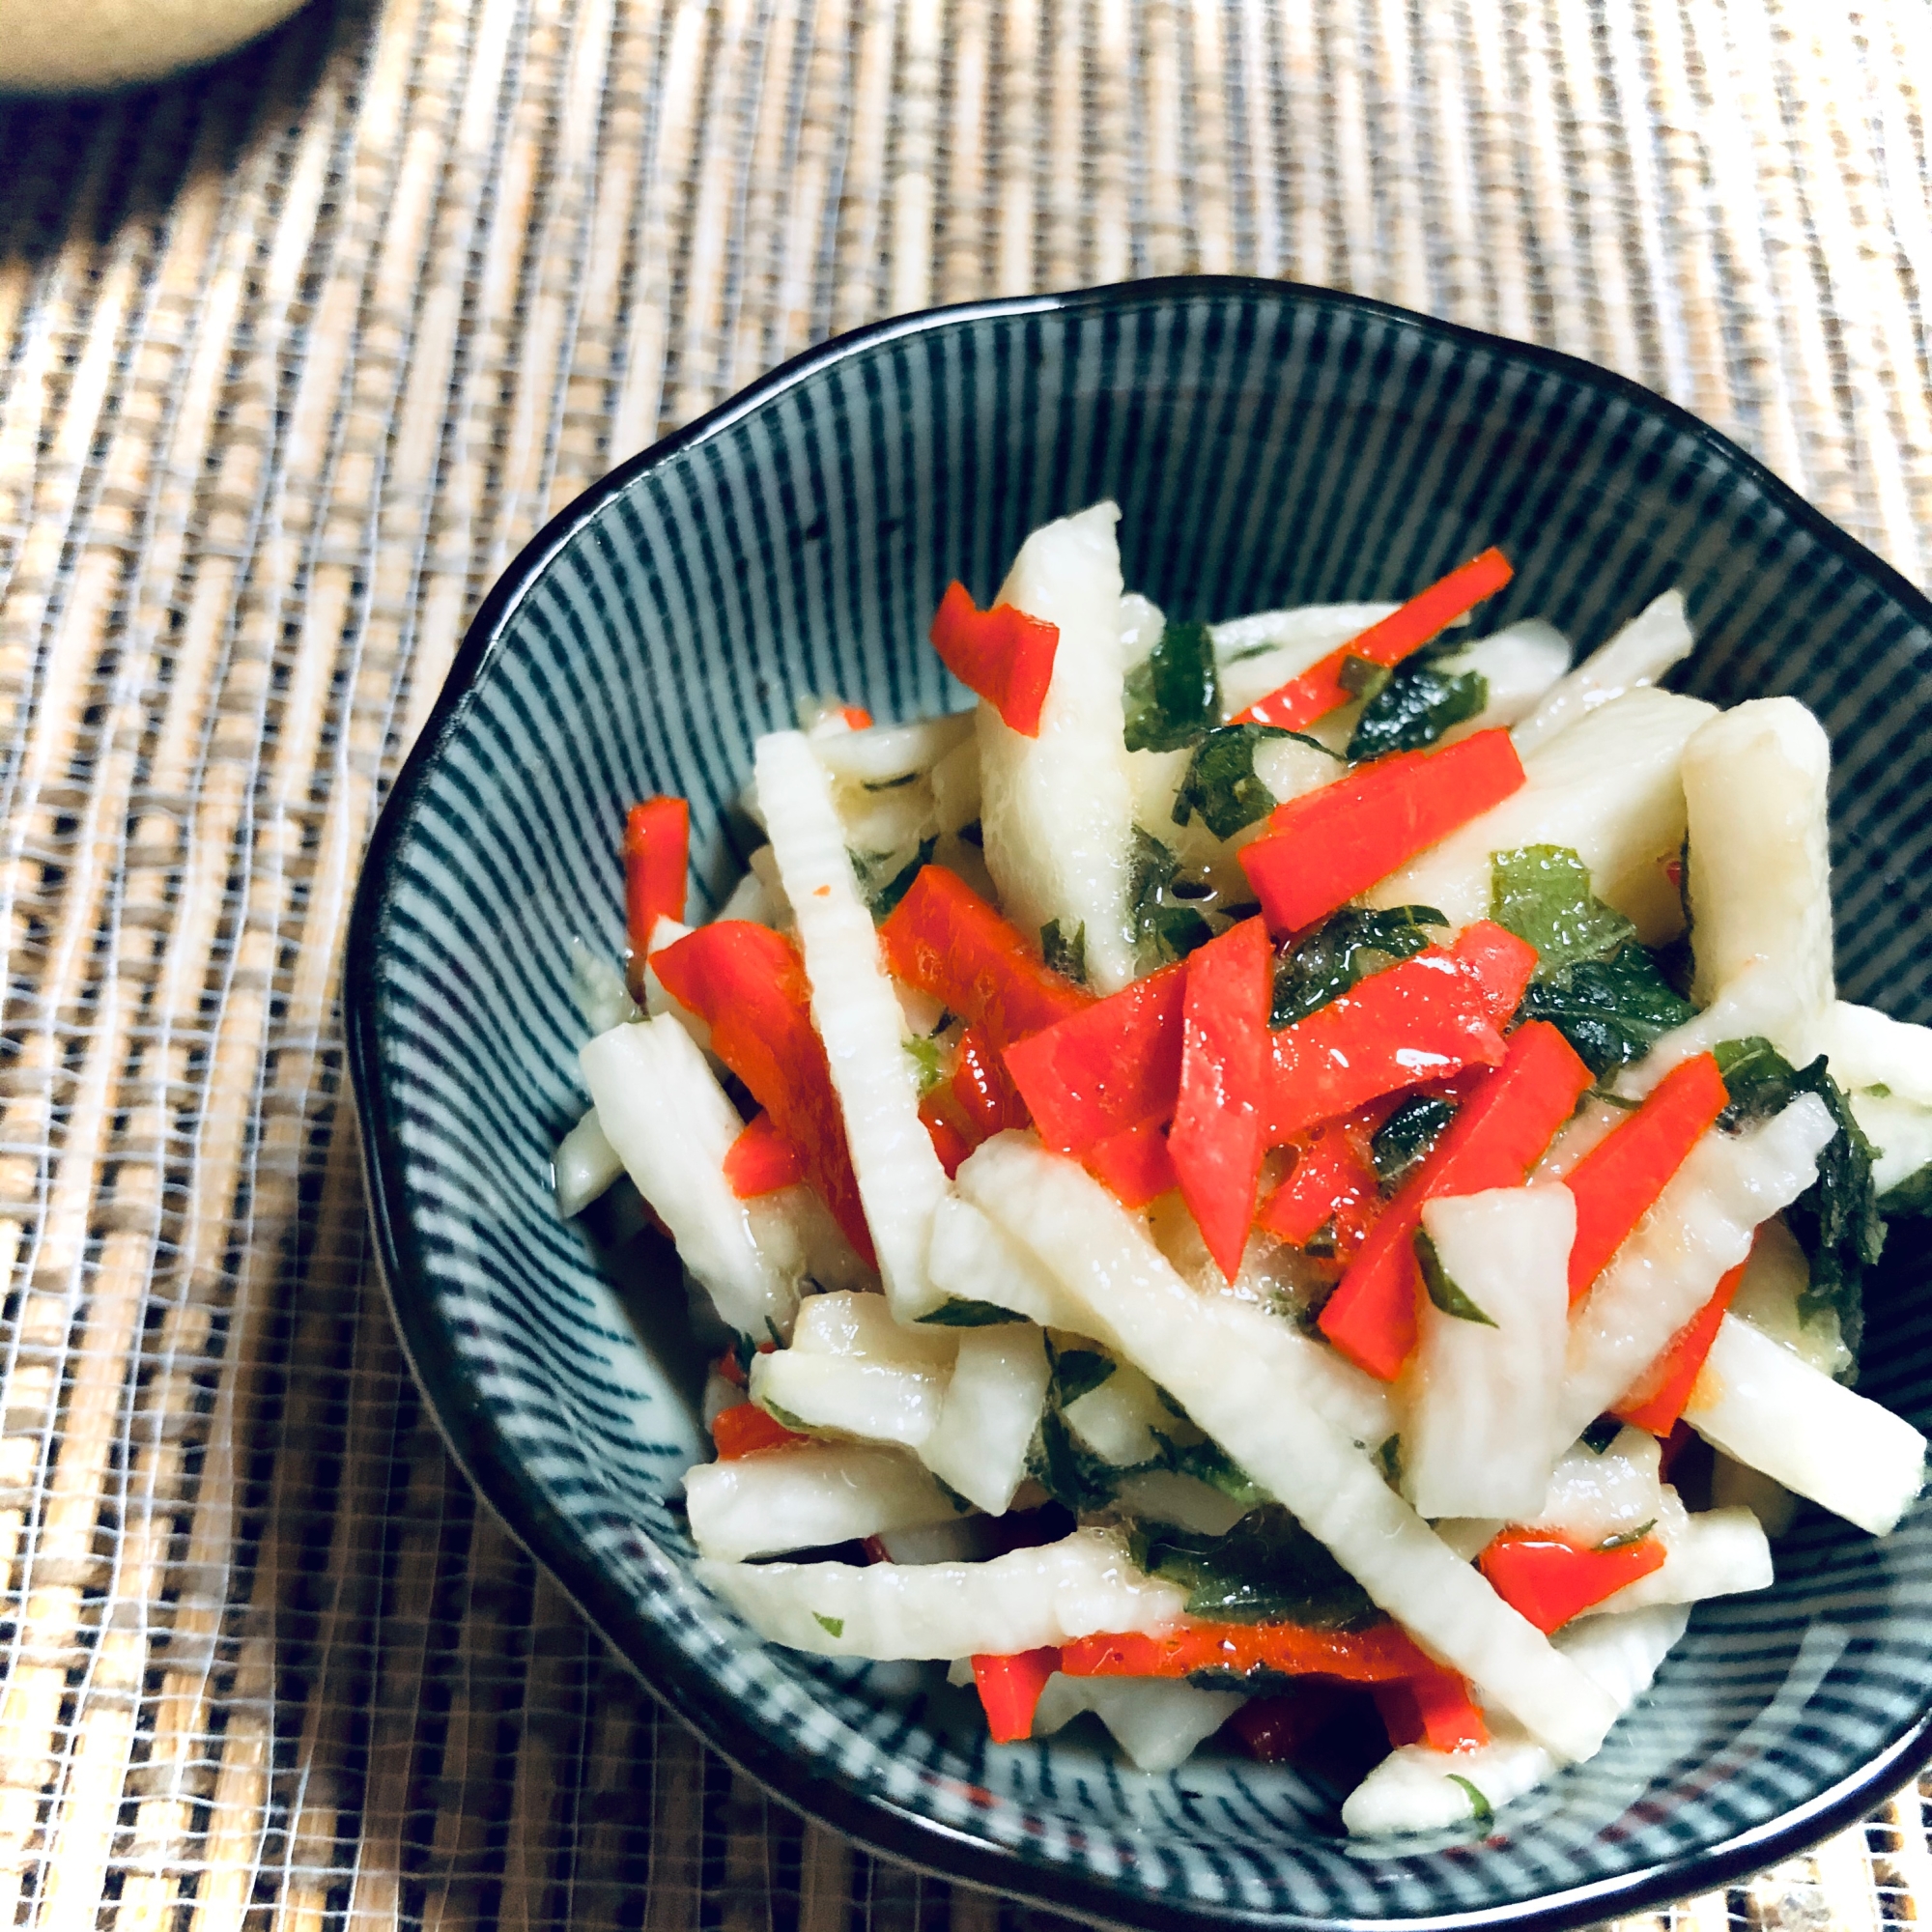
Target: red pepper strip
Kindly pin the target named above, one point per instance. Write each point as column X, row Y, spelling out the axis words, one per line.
column 1658, row 1396
column 1498, row 1135
column 761, row 1160
column 732, row 1368
column 1134, row 1166
column 1333, row 1179
column 1432, row 1708
column 1319, row 689
column 1617, row 1182
column 986, row 1095
column 1216, row 1138
column 1275, row 1730
column 1549, row 1581
column 948, row 1141
column 1325, row 846
column 750, row 984
column 1374, row 1656
column 856, row 715
column 657, row 851
column 1108, row 1068
column 1422, row 1019
column 947, row 941
column 1010, row 1689
column 744, row 1429
column 1001, row 655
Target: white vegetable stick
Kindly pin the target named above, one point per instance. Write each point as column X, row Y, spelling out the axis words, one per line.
column 1157, row 1721
column 1519, row 663
column 853, row 1006
column 1085, row 1584
column 1769, row 1296
column 1214, row 1355
column 1592, row 1498
column 1481, row 1395
column 1754, row 781
column 1735, row 1487
column 1354, row 1403
column 888, row 752
column 672, row 1125
column 801, row 1498
column 1141, row 622
column 958, row 1540
column 602, row 996
column 1760, row 1000
column 1414, row 1789
column 1718, row 1553
column 1764, row 1408
column 585, row 1165
column 1870, row 1050
column 1117, row 1420
column 658, row 1002
column 1657, row 638
column 1699, row 1229
column 1609, row 788
column 853, row 1369
column 992, row 1406
column 1057, row 810
column 1165, row 1495
column 1261, row 653
column 972, row 1261
column 956, row 788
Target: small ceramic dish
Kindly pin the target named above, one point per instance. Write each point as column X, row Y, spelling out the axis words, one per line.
column 1268, row 446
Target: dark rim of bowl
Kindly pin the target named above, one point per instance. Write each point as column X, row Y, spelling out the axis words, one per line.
column 876, row 1821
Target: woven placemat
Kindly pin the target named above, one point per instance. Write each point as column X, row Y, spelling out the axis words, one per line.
column 292, row 355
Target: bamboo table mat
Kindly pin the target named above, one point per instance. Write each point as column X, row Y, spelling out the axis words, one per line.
column 293, row 354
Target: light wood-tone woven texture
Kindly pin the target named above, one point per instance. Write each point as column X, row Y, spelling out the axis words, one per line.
column 293, row 354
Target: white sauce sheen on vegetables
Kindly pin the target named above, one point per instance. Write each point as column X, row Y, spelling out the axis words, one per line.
column 795, row 1498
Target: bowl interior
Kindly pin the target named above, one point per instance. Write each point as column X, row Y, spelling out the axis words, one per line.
column 1268, row 445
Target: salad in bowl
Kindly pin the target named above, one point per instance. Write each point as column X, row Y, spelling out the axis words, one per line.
column 1290, row 1178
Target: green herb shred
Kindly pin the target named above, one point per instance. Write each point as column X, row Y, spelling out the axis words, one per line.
column 1911, row 1195
column 925, row 1056
column 1480, row 1807
column 883, row 890
column 1078, row 1371
column 1173, row 696
column 1220, row 784
column 1165, row 926
column 1346, row 949
column 1403, row 1140
column 1061, row 954
column 1415, row 707
column 834, row 1625
column 962, row 1313
column 1267, row 1568
column 1441, row 1286
column 1601, row 1433
column 1603, row 991
column 1836, row 1219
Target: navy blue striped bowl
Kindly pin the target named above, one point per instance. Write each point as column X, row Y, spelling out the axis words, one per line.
column 1268, row 445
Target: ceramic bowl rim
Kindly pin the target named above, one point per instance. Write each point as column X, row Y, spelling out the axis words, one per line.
column 480, row 1449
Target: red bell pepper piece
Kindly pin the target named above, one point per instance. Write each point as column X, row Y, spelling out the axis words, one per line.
column 1134, row 1166
column 1617, row 1182
column 947, row 941
column 1374, row 1656
column 1322, row 848
column 1431, row 1708
column 657, row 853
column 1107, row 1069
column 1659, row 1396
column 1010, row 1689
column 856, row 717
column 744, row 1429
column 1549, row 1581
column 748, row 982
column 1498, row 1135
column 1333, row 1179
column 948, row 1141
column 761, row 1160
column 1215, row 1141
column 1421, row 1019
column 1277, row 1730
column 1001, row 655
column 986, row 1094
column 1319, row 690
